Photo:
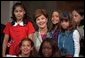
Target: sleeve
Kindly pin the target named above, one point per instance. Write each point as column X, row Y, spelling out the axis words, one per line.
column 31, row 28
column 76, row 38
column 6, row 29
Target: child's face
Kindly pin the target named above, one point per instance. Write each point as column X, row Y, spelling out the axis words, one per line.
column 41, row 21
column 65, row 24
column 55, row 18
column 19, row 13
column 76, row 16
column 47, row 49
column 26, row 47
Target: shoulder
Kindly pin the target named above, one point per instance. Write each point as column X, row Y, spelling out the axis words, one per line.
column 8, row 24
column 29, row 23
column 75, row 31
column 76, row 35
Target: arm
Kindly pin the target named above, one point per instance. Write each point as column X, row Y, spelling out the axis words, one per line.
column 4, row 46
column 76, row 38
column 31, row 36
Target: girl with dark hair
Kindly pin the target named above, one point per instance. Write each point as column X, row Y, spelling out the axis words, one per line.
column 78, row 18
column 18, row 29
column 68, row 39
column 49, row 48
column 55, row 22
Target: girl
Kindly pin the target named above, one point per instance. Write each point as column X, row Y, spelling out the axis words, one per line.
column 19, row 28
column 41, row 21
column 68, row 39
column 55, row 21
column 78, row 19
column 27, row 48
column 49, row 48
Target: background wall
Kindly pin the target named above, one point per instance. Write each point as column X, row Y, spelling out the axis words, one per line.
column 31, row 6
column 6, row 8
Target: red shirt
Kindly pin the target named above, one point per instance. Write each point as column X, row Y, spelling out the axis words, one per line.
column 17, row 33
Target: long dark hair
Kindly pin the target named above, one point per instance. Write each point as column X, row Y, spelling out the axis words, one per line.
column 81, row 14
column 25, row 19
column 54, row 45
column 66, row 16
column 54, row 25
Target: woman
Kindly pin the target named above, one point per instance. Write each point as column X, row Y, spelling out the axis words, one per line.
column 41, row 18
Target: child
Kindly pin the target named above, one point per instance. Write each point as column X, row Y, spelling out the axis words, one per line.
column 78, row 18
column 27, row 48
column 55, row 21
column 49, row 48
column 41, row 21
column 19, row 28
column 68, row 39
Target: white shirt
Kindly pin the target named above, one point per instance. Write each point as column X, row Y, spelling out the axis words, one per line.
column 76, row 38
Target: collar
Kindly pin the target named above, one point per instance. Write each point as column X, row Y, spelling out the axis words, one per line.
column 19, row 23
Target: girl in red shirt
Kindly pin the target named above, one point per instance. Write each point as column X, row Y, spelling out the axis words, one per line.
column 19, row 28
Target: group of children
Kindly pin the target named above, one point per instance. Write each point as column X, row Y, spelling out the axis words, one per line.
column 24, row 41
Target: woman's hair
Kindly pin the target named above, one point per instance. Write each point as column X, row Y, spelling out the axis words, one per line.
column 33, row 52
column 40, row 12
column 54, row 45
column 25, row 19
column 66, row 16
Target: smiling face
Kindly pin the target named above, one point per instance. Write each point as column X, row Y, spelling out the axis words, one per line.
column 41, row 21
column 55, row 17
column 46, row 49
column 26, row 47
column 19, row 13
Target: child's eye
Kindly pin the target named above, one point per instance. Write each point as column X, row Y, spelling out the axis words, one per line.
column 28, row 45
column 57, row 16
column 47, row 48
column 20, row 11
column 16, row 11
column 75, row 15
column 42, row 18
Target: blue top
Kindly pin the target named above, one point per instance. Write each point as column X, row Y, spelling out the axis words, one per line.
column 66, row 43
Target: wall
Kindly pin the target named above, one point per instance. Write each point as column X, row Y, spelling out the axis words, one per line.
column 6, row 7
